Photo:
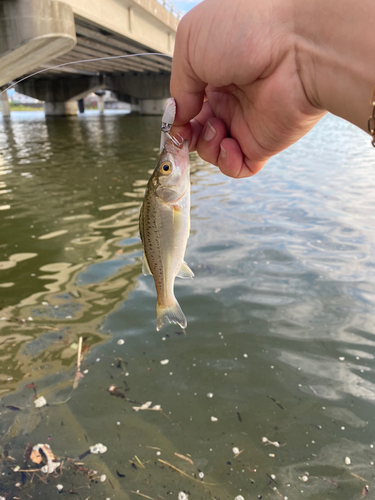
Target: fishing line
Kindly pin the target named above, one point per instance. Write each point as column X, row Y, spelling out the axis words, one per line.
column 85, row 61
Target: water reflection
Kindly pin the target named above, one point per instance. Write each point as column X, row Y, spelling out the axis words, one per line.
column 281, row 330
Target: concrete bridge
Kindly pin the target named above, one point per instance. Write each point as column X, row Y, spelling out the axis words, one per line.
column 37, row 34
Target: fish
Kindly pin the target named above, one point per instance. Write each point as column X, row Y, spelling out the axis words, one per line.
column 164, row 226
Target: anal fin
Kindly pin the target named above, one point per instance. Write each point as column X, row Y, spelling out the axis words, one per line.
column 145, row 266
column 185, row 272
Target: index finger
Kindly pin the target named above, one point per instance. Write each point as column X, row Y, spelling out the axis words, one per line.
column 186, row 87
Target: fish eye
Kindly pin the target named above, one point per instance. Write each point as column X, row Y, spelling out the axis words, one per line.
column 165, row 168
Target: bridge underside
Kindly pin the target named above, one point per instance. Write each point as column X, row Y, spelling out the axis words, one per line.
column 146, row 90
column 50, row 33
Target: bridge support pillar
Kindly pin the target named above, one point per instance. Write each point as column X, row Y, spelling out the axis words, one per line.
column 60, row 95
column 66, row 108
column 152, row 106
column 101, row 104
column 4, row 104
column 81, row 105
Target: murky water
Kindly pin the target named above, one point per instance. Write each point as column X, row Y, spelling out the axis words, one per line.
column 278, row 358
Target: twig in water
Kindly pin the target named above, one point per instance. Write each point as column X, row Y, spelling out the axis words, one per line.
column 139, row 462
column 278, row 492
column 136, row 462
column 187, row 459
column 184, row 473
column 358, row 477
column 27, row 470
column 79, row 359
column 142, row 495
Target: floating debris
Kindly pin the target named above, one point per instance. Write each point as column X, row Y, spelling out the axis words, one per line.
column 139, row 494
column 98, row 448
column 182, row 496
column 116, row 392
column 274, row 443
column 27, row 453
column 235, row 450
column 210, row 395
column 138, row 462
column 239, row 497
column 365, row 491
column 347, row 461
column 305, row 477
column 50, row 467
column 60, row 487
column 164, row 361
column 40, row 402
column 214, row 419
column 183, row 457
column 174, row 468
column 201, row 475
column 36, row 457
column 238, row 452
column 78, row 375
column 103, row 477
column 121, row 342
column 147, row 406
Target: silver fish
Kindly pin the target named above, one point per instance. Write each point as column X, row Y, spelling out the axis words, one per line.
column 164, row 226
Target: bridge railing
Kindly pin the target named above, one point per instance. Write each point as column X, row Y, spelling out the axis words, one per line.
column 175, row 11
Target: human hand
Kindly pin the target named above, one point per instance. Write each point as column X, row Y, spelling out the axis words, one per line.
column 235, row 77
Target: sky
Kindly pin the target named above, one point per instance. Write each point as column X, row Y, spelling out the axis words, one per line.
column 185, row 5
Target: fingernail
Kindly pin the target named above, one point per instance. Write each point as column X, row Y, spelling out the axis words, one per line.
column 223, row 153
column 209, row 133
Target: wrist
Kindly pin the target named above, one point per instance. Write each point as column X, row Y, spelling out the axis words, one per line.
column 334, row 50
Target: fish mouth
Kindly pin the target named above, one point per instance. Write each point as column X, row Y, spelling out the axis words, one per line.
column 181, row 150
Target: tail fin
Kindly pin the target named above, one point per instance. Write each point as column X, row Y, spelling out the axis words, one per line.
column 173, row 314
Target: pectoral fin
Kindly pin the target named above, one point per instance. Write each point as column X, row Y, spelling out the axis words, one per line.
column 145, row 266
column 185, row 272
